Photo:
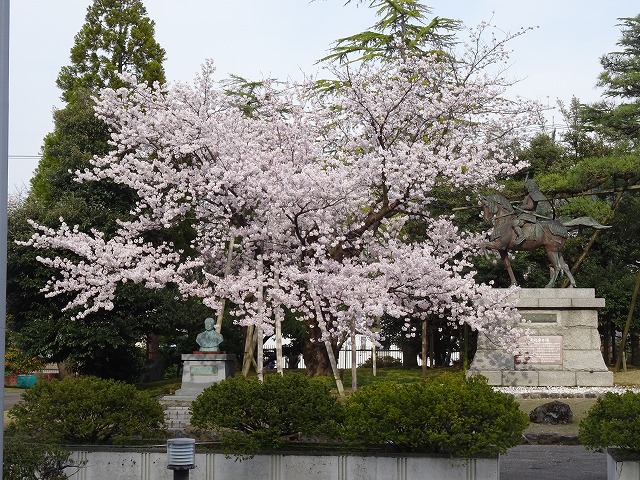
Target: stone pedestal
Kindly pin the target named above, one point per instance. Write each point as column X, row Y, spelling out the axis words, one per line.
column 564, row 348
column 201, row 369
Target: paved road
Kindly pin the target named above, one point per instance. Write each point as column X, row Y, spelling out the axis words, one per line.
column 547, row 462
column 11, row 397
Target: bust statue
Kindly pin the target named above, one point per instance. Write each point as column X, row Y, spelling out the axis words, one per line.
column 209, row 340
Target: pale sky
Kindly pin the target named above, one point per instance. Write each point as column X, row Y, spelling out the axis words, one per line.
column 284, row 38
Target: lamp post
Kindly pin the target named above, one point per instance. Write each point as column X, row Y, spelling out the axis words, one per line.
column 181, row 457
column 4, row 161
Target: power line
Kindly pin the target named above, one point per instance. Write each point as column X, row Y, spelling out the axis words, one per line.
column 25, row 157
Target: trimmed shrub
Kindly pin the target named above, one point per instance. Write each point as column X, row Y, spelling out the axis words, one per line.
column 28, row 458
column 250, row 416
column 613, row 422
column 446, row 414
column 88, row 410
column 384, row 361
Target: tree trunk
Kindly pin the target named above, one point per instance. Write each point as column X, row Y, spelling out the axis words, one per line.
column 634, row 343
column 410, row 351
column 64, row 370
column 250, row 343
column 627, row 325
column 614, row 351
column 316, row 359
column 153, row 347
column 606, row 343
column 425, row 347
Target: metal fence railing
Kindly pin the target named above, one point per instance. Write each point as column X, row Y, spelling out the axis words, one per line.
column 344, row 359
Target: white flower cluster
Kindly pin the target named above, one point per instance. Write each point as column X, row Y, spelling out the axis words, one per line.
column 564, row 392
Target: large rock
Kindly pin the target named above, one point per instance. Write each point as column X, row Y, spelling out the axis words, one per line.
column 552, row 413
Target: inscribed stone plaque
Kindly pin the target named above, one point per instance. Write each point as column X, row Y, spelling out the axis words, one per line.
column 541, row 317
column 542, row 350
column 204, row 370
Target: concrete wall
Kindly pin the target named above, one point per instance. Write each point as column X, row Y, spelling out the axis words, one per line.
column 133, row 465
column 619, row 468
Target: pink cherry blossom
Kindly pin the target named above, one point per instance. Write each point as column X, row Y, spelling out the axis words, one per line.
column 314, row 190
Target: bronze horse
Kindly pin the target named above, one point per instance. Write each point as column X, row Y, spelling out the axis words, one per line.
column 548, row 233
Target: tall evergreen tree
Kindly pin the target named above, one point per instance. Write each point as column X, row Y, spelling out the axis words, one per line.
column 599, row 175
column 117, row 38
column 618, row 117
column 403, row 29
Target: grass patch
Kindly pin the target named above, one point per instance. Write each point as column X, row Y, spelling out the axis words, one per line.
column 630, row 378
column 386, row 374
column 391, row 374
column 579, row 407
column 162, row 387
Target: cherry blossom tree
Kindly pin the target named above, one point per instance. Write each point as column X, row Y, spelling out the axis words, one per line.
column 312, row 194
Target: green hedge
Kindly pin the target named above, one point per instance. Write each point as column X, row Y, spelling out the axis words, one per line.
column 614, row 421
column 446, row 414
column 250, row 416
column 87, row 410
column 26, row 458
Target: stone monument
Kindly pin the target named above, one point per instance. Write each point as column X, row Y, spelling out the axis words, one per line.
column 564, row 346
column 207, row 365
column 200, row 369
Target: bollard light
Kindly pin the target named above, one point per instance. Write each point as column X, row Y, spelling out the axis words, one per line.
column 181, row 456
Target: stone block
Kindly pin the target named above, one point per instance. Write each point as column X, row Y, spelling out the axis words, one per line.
column 200, row 370
column 528, row 378
column 581, row 318
column 527, row 303
column 577, row 292
column 594, row 379
column 525, row 367
column 494, row 377
column 570, row 313
column 591, row 303
column 555, row 302
column 584, row 361
column 557, row 298
column 581, row 339
column 548, row 378
column 532, row 293
column 492, row 360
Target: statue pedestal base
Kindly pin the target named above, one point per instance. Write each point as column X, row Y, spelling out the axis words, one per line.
column 564, row 349
column 201, row 369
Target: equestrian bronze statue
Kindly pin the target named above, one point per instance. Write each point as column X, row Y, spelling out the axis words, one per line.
column 523, row 228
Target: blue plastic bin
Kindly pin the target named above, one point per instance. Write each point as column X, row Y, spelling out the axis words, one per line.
column 26, row 381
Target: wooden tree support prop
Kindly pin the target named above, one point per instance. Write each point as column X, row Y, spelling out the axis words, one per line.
column 327, row 345
column 354, row 358
column 227, row 267
column 279, row 362
column 250, row 343
column 424, row 348
column 627, row 325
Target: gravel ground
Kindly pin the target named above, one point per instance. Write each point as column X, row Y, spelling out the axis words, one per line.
column 564, row 392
